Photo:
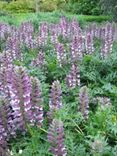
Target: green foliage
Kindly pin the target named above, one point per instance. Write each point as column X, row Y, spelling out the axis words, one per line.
column 110, row 7
column 87, row 7
column 36, row 18
column 19, row 6
column 51, row 5
column 8, row 19
column 2, row 5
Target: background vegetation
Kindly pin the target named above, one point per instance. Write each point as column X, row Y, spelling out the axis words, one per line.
column 87, row 7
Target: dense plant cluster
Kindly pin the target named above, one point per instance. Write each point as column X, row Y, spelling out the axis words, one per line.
column 86, row 7
column 58, row 89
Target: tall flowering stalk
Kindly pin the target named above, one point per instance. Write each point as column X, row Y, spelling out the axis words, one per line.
column 94, row 29
column 13, row 46
column 21, row 103
column 5, row 73
column 4, row 149
column 53, row 30
column 3, row 121
column 42, row 37
column 55, row 96
column 55, row 102
column 104, row 49
column 61, row 54
column 7, row 126
column 84, row 102
column 20, row 90
column 102, row 33
column 26, row 32
column 76, row 49
column 75, row 28
column 63, row 26
column 89, row 43
column 6, row 59
column 56, row 138
column 107, row 43
column 3, row 81
column 73, row 78
column 36, row 101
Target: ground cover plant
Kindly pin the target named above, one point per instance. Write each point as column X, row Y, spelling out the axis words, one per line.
column 58, row 89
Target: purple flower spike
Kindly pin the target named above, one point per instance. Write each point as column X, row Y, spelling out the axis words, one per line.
column 55, row 102
column 6, row 59
column 7, row 126
column 36, row 101
column 76, row 49
column 3, row 121
column 20, row 90
column 84, row 102
column 13, row 47
column 89, row 43
column 73, row 78
column 56, row 138
column 54, row 35
column 55, row 96
column 61, row 55
column 107, row 45
column 4, row 148
column 75, row 28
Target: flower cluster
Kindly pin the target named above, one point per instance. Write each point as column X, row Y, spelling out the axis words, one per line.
column 20, row 89
column 55, row 102
column 13, row 48
column 89, row 43
column 20, row 102
column 56, row 138
column 108, row 41
column 36, row 101
column 55, row 96
column 76, row 49
column 4, row 149
column 61, row 55
column 73, row 78
column 7, row 126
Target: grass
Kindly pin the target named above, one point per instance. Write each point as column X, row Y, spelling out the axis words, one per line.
column 49, row 17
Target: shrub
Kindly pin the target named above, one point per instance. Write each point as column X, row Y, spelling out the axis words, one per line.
column 20, row 6
column 87, row 7
column 2, row 5
column 48, row 5
column 51, row 5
